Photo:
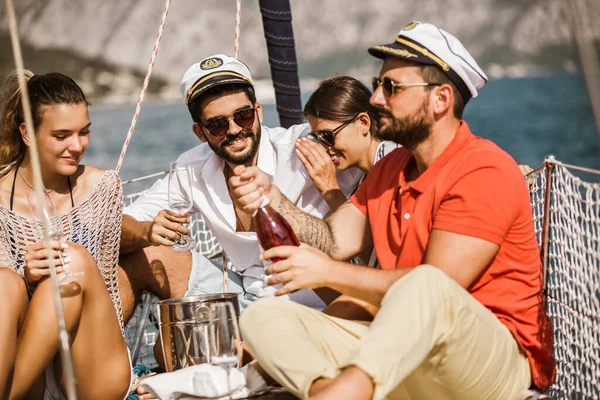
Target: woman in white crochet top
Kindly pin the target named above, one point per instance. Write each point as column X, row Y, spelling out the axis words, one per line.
column 89, row 202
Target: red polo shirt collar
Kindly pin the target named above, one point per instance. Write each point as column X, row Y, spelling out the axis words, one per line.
column 462, row 137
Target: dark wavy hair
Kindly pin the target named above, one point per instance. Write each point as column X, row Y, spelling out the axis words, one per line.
column 342, row 98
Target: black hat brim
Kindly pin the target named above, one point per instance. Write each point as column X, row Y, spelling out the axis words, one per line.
column 418, row 54
column 400, row 50
column 214, row 82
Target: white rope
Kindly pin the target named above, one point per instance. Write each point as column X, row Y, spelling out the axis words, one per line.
column 144, row 87
column 236, row 53
column 570, row 166
column 65, row 350
column 238, row 15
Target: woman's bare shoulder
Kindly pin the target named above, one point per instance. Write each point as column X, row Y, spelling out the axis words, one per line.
column 88, row 177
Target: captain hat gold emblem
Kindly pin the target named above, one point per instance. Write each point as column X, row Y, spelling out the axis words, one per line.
column 211, row 63
column 410, row 26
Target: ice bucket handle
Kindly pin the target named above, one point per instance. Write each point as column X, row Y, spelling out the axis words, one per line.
column 203, row 313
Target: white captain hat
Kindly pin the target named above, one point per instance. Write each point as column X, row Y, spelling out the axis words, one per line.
column 212, row 71
column 427, row 44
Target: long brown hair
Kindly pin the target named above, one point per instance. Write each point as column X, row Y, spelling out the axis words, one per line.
column 340, row 99
column 44, row 90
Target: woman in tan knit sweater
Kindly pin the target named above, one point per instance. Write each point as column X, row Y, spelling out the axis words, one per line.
column 88, row 201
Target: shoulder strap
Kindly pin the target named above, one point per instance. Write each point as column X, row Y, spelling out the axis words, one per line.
column 70, row 190
column 12, row 190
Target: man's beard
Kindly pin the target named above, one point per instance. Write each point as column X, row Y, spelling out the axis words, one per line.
column 409, row 131
column 238, row 158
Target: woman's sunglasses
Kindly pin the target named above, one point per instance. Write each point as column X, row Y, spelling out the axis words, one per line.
column 389, row 86
column 220, row 126
column 328, row 137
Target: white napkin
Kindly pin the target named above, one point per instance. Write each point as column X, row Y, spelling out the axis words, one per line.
column 199, row 381
column 259, row 288
column 254, row 381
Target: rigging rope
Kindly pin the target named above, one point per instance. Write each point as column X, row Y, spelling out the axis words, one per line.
column 238, row 17
column 63, row 336
column 144, row 87
column 236, row 53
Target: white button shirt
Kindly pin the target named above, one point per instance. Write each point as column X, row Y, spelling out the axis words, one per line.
column 278, row 159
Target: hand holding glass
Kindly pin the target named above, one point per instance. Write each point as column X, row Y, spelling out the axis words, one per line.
column 181, row 200
column 47, row 212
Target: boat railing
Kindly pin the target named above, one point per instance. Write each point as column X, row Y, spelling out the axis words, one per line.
column 566, row 218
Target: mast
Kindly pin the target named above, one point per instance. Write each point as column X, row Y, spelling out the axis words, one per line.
column 584, row 38
column 279, row 34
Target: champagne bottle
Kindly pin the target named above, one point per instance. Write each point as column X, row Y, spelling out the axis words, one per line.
column 272, row 229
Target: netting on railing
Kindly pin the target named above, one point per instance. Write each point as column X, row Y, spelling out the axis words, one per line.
column 537, row 190
column 573, row 276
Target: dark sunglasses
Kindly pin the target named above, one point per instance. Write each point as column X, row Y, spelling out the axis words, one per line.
column 389, row 86
column 328, row 137
column 220, row 126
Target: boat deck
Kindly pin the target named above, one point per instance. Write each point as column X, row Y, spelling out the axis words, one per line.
column 275, row 394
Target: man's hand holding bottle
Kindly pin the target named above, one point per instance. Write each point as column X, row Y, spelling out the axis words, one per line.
column 294, row 265
column 248, row 185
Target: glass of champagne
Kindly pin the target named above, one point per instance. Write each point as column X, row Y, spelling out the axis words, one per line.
column 47, row 212
column 181, row 200
column 225, row 339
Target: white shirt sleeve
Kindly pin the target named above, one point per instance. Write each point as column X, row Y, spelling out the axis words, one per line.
column 149, row 204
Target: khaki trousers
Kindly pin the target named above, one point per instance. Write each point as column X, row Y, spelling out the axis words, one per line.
column 430, row 340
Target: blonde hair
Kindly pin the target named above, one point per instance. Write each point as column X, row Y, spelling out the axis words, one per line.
column 48, row 89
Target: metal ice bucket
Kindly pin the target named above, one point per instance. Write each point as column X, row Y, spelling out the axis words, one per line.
column 184, row 323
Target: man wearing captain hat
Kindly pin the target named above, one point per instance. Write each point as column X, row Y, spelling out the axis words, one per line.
column 219, row 94
column 457, row 303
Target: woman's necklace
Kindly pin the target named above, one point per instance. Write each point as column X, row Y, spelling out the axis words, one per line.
column 31, row 186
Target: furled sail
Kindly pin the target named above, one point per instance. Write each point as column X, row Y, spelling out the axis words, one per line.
column 277, row 23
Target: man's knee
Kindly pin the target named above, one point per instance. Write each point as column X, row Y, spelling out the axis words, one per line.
column 428, row 273
column 426, row 280
column 130, row 261
column 160, row 270
column 143, row 267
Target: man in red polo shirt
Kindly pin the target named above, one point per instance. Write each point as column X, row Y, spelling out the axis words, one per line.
column 457, row 303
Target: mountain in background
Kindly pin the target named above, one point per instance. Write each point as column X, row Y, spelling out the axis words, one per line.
column 106, row 44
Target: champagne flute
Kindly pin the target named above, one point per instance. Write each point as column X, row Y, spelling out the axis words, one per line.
column 181, row 200
column 225, row 339
column 47, row 211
